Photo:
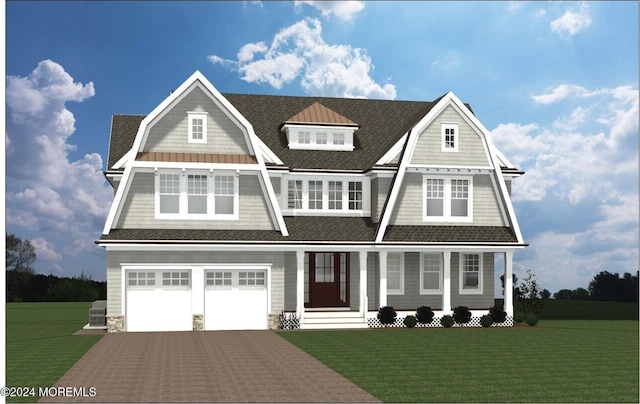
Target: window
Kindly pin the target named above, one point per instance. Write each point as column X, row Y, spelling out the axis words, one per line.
column 335, row 195
column 323, row 267
column 304, row 137
column 224, row 194
column 315, row 194
column 338, row 138
column 332, row 195
column 471, row 273
column 435, row 196
column 395, row 274
column 175, row 278
column 431, row 273
column 141, row 279
column 169, row 193
column 294, row 196
column 448, row 199
column 219, row 278
column 450, row 137
column 251, row 278
column 355, row 195
column 197, row 127
column 196, row 194
column 321, row 138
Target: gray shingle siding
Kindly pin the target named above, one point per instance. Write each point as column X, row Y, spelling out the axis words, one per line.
column 170, row 133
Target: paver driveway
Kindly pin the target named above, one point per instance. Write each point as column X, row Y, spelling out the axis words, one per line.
column 208, row 366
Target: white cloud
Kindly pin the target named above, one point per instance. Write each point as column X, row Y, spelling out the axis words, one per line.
column 299, row 51
column 47, row 193
column 562, row 92
column 45, row 250
column 343, row 10
column 572, row 21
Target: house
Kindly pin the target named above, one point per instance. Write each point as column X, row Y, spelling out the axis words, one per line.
column 232, row 209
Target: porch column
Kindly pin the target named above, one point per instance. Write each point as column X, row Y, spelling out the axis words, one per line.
column 446, row 283
column 382, row 293
column 362, row 255
column 508, row 282
column 300, row 284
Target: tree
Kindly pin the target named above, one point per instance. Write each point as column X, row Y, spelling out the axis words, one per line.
column 530, row 294
column 516, row 290
column 610, row 287
column 20, row 254
column 545, row 294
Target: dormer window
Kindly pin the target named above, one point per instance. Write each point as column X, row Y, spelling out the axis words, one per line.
column 197, row 127
column 319, row 128
column 450, row 137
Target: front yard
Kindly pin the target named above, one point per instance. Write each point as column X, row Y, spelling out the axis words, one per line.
column 556, row 361
column 40, row 345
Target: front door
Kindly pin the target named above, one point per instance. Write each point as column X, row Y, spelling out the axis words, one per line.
column 328, row 279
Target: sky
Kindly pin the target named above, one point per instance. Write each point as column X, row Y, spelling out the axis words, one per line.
column 556, row 84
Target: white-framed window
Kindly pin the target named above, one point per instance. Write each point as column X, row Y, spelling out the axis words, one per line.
column 431, row 273
column 175, row 278
column 338, row 139
column 141, row 278
column 322, row 138
column 316, row 137
column 219, row 278
column 251, row 278
column 335, row 195
column 447, row 199
column 197, row 127
column 450, row 137
column 395, row 273
column 294, row 195
column 196, row 194
column 304, row 137
column 470, row 273
column 331, row 195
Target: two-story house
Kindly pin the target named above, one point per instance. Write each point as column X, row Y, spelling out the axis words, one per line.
column 231, row 209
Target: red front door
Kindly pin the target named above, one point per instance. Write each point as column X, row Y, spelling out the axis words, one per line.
column 328, row 279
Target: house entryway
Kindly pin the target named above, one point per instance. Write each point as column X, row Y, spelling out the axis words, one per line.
column 328, row 279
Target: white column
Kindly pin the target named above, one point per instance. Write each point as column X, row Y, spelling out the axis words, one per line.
column 508, row 282
column 197, row 290
column 300, row 283
column 382, row 294
column 446, row 283
column 362, row 255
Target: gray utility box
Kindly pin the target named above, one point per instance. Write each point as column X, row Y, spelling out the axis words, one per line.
column 97, row 314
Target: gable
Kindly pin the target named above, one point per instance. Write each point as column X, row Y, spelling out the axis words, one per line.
column 471, row 148
column 170, row 131
column 319, row 114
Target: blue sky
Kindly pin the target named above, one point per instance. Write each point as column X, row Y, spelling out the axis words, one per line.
column 556, row 83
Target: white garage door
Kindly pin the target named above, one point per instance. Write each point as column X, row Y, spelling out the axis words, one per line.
column 235, row 300
column 158, row 300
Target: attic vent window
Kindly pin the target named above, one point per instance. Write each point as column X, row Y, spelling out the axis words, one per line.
column 450, row 137
column 197, row 127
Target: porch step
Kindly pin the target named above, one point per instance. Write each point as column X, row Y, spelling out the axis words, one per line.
column 329, row 320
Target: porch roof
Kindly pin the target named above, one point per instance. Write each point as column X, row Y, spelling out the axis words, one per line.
column 450, row 234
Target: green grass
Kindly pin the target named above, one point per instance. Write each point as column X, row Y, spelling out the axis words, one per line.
column 40, row 345
column 557, row 361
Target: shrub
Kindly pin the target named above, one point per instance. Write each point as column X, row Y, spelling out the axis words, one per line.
column 518, row 317
column 424, row 315
column 410, row 321
column 497, row 314
column 447, row 321
column 387, row 315
column 532, row 319
column 461, row 315
column 486, row 320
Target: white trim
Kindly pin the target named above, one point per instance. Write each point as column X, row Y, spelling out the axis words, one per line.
column 439, row 291
column 195, row 166
column 117, row 204
column 325, row 211
column 393, row 152
column 267, row 153
column 461, row 290
column 456, row 137
column 399, row 291
column 193, row 115
column 128, row 156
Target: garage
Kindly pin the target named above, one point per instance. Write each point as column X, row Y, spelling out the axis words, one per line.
column 158, row 300
column 236, row 299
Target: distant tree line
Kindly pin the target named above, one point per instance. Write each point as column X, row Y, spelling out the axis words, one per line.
column 605, row 286
column 24, row 285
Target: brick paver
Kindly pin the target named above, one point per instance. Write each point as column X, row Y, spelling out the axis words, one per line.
column 208, row 366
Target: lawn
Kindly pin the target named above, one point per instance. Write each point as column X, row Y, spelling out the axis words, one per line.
column 40, row 345
column 556, row 361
